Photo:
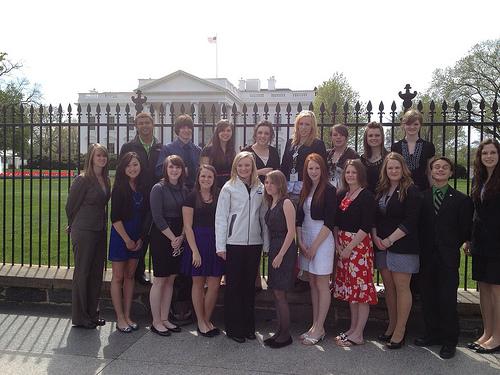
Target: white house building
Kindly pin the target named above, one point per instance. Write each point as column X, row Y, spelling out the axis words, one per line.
column 181, row 88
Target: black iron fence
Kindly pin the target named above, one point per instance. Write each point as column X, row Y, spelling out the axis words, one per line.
column 43, row 148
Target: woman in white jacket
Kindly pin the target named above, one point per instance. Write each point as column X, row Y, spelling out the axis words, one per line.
column 240, row 234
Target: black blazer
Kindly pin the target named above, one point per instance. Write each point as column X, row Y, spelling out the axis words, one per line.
column 273, row 161
column 148, row 162
column 442, row 235
column 403, row 215
column 486, row 227
column 317, row 147
column 324, row 211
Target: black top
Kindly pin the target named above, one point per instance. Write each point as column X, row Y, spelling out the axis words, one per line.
column 486, row 227
column 372, row 172
column 276, row 221
column 442, row 234
column 317, row 146
column 403, row 215
column 417, row 162
column 223, row 169
column 148, row 161
column 272, row 162
column 335, row 169
column 204, row 213
column 121, row 203
column 359, row 215
column 324, row 210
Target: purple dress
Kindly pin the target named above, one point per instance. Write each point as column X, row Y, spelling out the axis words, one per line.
column 204, row 234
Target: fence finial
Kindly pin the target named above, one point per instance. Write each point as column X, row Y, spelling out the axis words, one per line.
column 407, row 97
column 139, row 101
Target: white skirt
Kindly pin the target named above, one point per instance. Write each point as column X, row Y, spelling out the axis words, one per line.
column 322, row 262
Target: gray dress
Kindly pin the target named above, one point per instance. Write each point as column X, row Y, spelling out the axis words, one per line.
column 281, row 278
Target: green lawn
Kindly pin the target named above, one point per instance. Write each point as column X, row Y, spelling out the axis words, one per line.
column 44, row 239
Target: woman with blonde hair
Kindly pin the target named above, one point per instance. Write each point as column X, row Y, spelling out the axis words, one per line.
column 396, row 235
column 304, row 142
column 86, row 212
column 280, row 220
column 240, row 235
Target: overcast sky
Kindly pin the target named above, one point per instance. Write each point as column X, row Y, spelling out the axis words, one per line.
column 75, row 46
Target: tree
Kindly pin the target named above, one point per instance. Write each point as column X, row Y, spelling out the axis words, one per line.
column 475, row 77
column 14, row 91
column 336, row 90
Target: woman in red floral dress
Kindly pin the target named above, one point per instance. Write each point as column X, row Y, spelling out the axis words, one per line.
column 354, row 276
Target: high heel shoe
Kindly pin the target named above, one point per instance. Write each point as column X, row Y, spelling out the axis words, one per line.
column 396, row 345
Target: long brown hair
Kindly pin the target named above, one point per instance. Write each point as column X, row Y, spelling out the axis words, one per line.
column 360, row 170
column 308, row 184
column 384, row 184
column 481, row 174
column 217, row 155
column 367, row 150
column 214, row 190
column 88, row 167
column 278, row 179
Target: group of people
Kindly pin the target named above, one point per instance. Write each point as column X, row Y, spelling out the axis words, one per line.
column 330, row 216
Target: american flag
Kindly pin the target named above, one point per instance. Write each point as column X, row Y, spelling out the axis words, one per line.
column 212, row 39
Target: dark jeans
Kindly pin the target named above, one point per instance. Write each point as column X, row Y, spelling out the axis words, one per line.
column 239, row 293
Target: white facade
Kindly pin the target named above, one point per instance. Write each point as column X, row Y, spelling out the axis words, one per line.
column 181, row 88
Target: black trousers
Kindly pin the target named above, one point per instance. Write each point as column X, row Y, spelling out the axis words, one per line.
column 239, row 292
column 438, row 291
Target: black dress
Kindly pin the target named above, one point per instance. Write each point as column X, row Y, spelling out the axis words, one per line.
column 272, row 162
column 281, row 278
column 372, row 172
column 223, row 168
column 417, row 162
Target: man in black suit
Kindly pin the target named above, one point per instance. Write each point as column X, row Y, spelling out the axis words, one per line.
column 148, row 148
column 445, row 224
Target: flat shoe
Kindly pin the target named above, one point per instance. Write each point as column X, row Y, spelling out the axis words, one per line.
column 134, row 326
column 483, row 350
column 473, row 346
column 99, row 322
column 205, row 334
column 127, row 329
column 309, row 341
column 161, row 333
column 304, row 335
column 341, row 336
column 175, row 329
column 346, row 343
column 214, row 331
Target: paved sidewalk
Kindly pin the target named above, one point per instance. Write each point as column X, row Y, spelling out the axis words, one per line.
column 38, row 339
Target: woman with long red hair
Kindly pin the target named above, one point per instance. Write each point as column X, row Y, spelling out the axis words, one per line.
column 315, row 222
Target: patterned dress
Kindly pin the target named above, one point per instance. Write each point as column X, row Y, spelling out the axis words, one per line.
column 354, row 276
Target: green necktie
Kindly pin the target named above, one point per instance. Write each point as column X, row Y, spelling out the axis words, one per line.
column 438, row 200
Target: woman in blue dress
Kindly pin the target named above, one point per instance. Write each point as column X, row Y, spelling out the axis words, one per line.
column 200, row 260
column 128, row 212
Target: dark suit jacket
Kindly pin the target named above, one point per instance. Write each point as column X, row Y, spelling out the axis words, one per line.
column 442, row 235
column 402, row 215
column 148, row 162
column 316, row 146
column 86, row 204
column 324, row 211
column 486, row 227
